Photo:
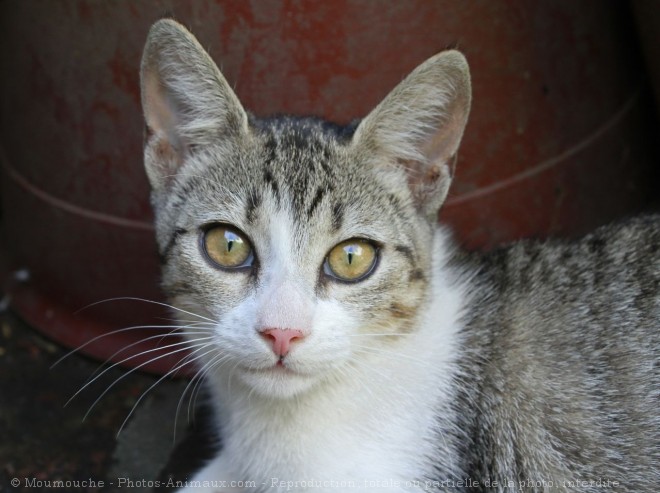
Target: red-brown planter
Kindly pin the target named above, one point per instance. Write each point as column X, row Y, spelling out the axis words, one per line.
column 556, row 144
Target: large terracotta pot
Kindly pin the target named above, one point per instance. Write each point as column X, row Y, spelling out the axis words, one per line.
column 556, row 143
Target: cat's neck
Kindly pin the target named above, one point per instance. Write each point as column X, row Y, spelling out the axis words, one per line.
column 393, row 393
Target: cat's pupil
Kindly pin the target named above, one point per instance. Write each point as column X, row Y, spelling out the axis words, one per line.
column 351, row 252
column 231, row 238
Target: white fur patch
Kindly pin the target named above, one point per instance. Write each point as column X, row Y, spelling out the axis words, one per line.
column 371, row 419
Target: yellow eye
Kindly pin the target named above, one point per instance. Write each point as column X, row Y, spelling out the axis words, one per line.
column 227, row 247
column 351, row 260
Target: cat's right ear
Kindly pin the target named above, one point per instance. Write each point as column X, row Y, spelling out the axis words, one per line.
column 417, row 128
column 187, row 103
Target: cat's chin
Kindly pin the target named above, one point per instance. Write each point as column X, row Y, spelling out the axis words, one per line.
column 276, row 381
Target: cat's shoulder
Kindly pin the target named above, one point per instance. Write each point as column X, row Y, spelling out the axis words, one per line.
column 642, row 230
column 613, row 269
column 611, row 246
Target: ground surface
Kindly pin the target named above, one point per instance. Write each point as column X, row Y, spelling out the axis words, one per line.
column 43, row 439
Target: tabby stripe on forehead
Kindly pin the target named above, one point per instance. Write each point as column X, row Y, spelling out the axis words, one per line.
column 268, row 177
column 325, row 166
column 253, row 202
column 337, row 216
column 315, row 201
column 271, row 147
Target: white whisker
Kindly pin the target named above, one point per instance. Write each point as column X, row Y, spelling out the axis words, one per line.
column 381, row 335
column 113, row 332
column 183, row 361
column 119, row 379
column 370, row 368
column 382, row 351
column 141, row 341
column 194, row 380
column 192, row 403
column 137, row 355
column 160, row 303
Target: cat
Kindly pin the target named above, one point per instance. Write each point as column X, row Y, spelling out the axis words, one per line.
column 347, row 344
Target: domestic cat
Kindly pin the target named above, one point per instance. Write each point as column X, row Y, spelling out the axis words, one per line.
column 346, row 344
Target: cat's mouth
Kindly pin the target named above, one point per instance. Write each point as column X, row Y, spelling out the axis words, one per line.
column 279, row 368
column 277, row 380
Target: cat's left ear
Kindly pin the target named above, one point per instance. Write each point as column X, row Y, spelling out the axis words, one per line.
column 187, row 103
column 418, row 127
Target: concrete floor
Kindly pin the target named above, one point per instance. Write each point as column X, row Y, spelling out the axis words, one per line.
column 42, row 438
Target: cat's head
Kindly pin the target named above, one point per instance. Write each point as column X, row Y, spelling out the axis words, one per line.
column 293, row 241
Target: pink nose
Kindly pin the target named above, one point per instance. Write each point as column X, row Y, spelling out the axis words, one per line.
column 281, row 339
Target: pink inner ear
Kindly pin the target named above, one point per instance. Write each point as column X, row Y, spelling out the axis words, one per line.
column 157, row 110
column 160, row 112
column 440, row 146
column 420, row 124
column 427, row 181
column 163, row 140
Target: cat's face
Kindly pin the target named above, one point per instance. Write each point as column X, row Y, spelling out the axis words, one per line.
column 268, row 234
column 305, row 248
